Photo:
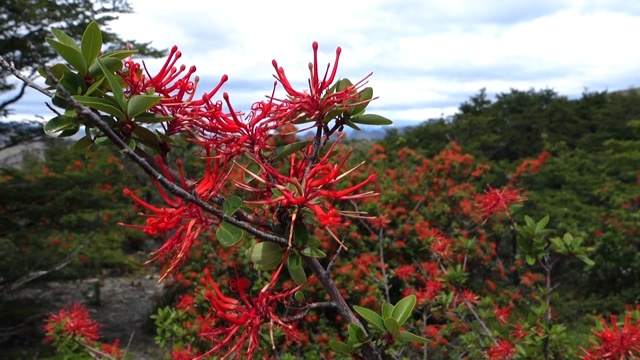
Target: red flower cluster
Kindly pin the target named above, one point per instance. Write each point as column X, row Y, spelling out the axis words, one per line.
column 498, row 201
column 233, row 324
column 73, row 323
column 615, row 342
column 501, row 351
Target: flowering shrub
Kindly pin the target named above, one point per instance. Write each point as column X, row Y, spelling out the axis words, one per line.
column 460, row 265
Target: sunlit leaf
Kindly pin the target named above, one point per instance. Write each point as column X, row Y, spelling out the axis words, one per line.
column 409, row 337
column 91, row 43
column 138, row 104
column 339, row 347
column 371, row 317
column 403, row 309
column 313, row 252
column 391, row 325
column 72, row 55
column 116, row 88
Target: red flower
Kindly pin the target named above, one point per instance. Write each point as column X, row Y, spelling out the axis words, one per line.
column 502, row 313
column 494, row 201
column 503, row 350
column 615, row 342
column 235, row 324
column 72, row 324
column 319, row 101
column 186, row 220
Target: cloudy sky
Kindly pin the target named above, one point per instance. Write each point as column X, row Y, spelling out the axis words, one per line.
column 427, row 57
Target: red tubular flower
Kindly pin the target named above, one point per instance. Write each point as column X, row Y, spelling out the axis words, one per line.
column 494, row 201
column 318, row 101
column 236, row 324
column 305, row 186
column 186, row 220
column 72, row 324
column 615, row 342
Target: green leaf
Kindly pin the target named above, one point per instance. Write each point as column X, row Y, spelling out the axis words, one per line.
column 64, row 38
column 314, row 242
column 119, row 54
column 365, row 96
column 351, row 125
column 296, row 270
column 356, row 334
column 542, row 223
column 231, row 205
column 267, row 267
column 72, row 55
column 112, row 64
column 91, row 42
column 229, row 234
column 101, row 105
column 530, row 259
column 116, row 88
column 264, row 253
column 147, row 137
column 57, row 70
column 371, row 119
column 150, row 118
column 73, row 83
column 339, row 347
column 586, row 260
column 93, row 87
column 287, row 150
column 313, row 252
column 392, row 325
column 406, row 336
column 61, row 126
column 404, row 308
column 139, row 104
column 387, row 309
column 300, row 234
column 83, row 143
column 371, row 317
column 254, row 168
column 343, row 84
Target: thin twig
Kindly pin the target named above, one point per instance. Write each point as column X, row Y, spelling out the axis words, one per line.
column 5, row 64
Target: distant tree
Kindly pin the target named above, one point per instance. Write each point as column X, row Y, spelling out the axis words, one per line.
column 25, row 22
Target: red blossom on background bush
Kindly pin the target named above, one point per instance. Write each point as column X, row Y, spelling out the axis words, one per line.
column 615, row 341
column 72, row 323
column 495, row 201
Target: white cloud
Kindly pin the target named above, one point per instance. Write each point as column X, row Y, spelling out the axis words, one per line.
column 427, row 56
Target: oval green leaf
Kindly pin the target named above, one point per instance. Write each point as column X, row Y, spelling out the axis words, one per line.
column 294, row 265
column 64, row 38
column 61, row 126
column 371, row 119
column 406, row 336
column 387, row 309
column 339, row 347
column 139, row 104
column 300, row 235
column 404, row 308
column 101, row 105
column 112, row 64
column 119, row 54
column 116, row 88
column 70, row 54
column 229, row 234
column 264, row 253
column 391, row 325
column 287, row 150
column 91, row 43
column 371, row 317
column 313, row 252
column 231, row 205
